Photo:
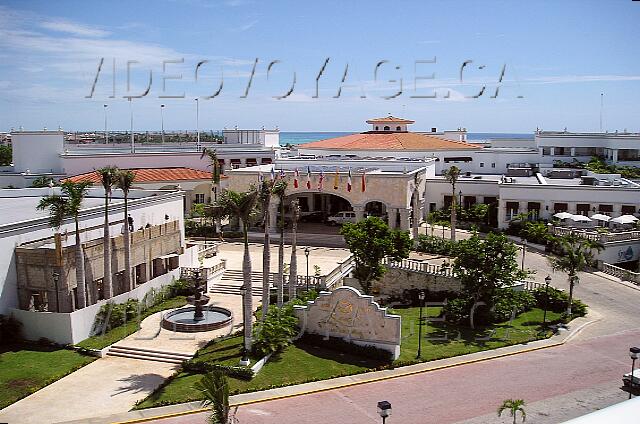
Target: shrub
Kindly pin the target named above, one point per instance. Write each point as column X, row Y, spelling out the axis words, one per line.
column 436, row 245
column 10, row 330
column 507, row 300
column 341, row 345
column 195, row 367
column 457, row 310
column 557, row 301
column 276, row 331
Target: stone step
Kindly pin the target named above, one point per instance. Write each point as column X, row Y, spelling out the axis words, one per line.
column 148, row 354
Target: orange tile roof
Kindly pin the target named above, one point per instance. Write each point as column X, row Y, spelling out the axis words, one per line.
column 390, row 141
column 390, row 119
column 149, row 175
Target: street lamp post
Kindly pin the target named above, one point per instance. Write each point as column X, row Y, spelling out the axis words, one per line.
column 56, row 278
column 524, row 250
column 384, row 410
column 420, row 323
column 307, row 250
column 547, row 281
column 106, row 131
column 460, row 199
column 162, row 121
column 244, row 361
column 634, row 353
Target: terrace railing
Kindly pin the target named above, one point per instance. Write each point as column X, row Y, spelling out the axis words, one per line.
column 621, row 273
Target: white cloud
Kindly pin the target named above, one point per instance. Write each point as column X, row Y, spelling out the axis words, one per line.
column 74, row 28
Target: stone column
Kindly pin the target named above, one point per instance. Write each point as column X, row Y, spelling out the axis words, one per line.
column 573, row 207
column 552, row 151
column 614, row 156
column 502, row 214
column 404, row 218
column 392, row 212
column 243, row 162
column 359, row 210
column 617, row 210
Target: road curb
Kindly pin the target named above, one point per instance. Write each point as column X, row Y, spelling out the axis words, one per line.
column 424, row 369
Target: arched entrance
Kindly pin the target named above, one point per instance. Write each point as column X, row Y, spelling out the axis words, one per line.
column 315, row 209
column 376, row 208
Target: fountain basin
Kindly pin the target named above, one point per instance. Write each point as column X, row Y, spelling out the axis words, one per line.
column 181, row 320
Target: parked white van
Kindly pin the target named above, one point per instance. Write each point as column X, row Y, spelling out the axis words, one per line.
column 342, row 217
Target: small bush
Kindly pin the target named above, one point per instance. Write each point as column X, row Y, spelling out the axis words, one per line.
column 276, row 331
column 557, row 301
column 507, row 300
column 436, row 245
column 457, row 310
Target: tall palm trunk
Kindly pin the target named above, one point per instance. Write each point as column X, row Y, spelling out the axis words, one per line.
column 453, row 212
column 80, row 271
column 128, row 281
column 247, row 302
column 416, row 216
column 266, row 258
column 280, row 280
column 293, row 266
column 572, row 279
column 106, row 242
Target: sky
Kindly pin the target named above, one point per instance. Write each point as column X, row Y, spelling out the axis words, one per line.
column 319, row 66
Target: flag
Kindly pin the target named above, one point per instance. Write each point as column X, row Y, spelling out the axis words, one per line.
column 282, row 175
column 364, row 183
column 349, row 181
column 296, row 175
column 308, row 178
column 321, row 181
column 273, row 173
column 336, row 179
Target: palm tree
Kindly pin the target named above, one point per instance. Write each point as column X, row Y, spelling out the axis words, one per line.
column 293, row 266
column 58, row 207
column 242, row 205
column 215, row 390
column 76, row 192
column 452, row 174
column 265, row 200
column 513, row 406
column 575, row 255
column 215, row 176
column 108, row 177
column 124, row 182
column 279, row 189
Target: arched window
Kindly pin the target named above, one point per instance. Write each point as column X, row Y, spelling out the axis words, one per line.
column 376, row 128
column 397, row 128
column 386, row 128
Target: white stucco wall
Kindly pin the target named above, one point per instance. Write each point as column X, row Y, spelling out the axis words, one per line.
column 37, row 151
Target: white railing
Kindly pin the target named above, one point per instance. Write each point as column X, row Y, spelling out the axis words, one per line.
column 621, row 273
column 207, row 250
column 596, row 236
column 422, row 267
column 205, row 273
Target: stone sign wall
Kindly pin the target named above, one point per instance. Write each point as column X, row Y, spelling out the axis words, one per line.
column 347, row 314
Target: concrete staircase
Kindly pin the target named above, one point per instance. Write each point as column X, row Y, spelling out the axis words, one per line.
column 231, row 281
column 148, row 354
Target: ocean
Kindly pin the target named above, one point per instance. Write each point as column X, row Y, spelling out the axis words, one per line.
column 307, row 137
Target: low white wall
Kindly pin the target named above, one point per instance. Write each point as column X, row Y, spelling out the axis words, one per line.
column 74, row 327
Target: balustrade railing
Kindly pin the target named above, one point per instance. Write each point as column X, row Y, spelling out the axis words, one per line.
column 419, row 266
column 623, row 274
column 597, row 236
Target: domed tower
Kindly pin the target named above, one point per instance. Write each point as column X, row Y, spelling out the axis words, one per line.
column 389, row 124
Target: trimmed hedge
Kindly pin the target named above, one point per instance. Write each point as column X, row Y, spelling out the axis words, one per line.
column 557, row 301
column 341, row 345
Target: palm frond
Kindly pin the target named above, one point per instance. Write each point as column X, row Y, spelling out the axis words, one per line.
column 124, row 180
column 58, row 207
column 75, row 192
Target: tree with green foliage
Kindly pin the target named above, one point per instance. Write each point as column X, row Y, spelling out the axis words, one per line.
column 76, row 192
column 6, row 155
column 452, row 174
column 575, row 255
column 124, row 181
column 280, row 190
column 484, row 266
column 108, row 177
column 276, row 330
column 293, row 264
column 216, row 171
column 265, row 200
column 242, row 205
column 215, row 391
column 43, row 181
column 513, row 406
column 370, row 241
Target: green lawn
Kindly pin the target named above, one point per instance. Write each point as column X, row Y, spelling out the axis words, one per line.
column 119, row 333
column 302, row 363
column 27, row 368
column 458, row 340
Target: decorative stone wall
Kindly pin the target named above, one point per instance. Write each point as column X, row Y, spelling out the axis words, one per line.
column 347, row 314
column 395, row 281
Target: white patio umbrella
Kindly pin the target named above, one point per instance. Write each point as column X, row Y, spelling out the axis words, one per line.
column 562, row 215
column 600, row 217
column 624, row 219
column 580, row 218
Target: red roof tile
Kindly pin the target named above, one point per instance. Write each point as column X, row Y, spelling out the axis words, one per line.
column 390, row 141
column 148, row 175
